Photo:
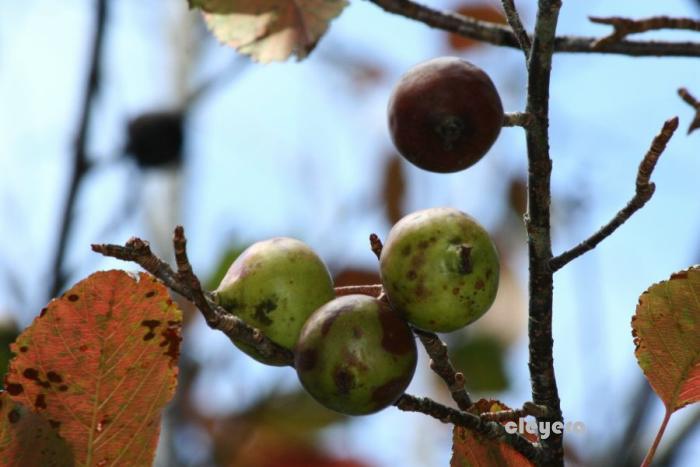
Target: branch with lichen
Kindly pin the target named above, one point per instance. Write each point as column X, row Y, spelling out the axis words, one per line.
column 488, row 429
column 501, row 35
column 623, row 27
column 528, row 409
column 440, row 363
column 643, row 193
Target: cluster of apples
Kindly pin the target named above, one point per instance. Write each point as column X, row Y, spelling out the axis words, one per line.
column 356, row 354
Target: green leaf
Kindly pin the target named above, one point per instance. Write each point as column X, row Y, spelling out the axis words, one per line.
column 269, row 30
column 666, row 330
column 222, row 266
column 27, row 438
column 482, row 360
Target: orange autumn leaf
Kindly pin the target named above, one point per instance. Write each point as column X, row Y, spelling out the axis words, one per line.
column 269, row 30
column 470, row 449
column 666, row 330
column 480, row 11
column 27, row 438
column 99, row 364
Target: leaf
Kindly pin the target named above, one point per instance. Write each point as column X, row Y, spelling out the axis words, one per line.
column 482, row 358
column 666, row 331
column 28, row 439
column 394, row 189
column 100, row 363
column 470, row 449
column 270, row 30
column 295, row 413
column 480, row 11
column 8, row 333
column 223, row 264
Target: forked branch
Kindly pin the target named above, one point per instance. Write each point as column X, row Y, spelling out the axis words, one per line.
column 498, row 34
column 488, row 429
column 693, row 102
column 623, row 27
column 643, row 193
column 185, row 283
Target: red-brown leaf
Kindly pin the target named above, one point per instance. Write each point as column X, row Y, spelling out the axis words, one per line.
column 27, row 438
column 666, row 330
column 472, row 450
column 481, row 11
column 100, row 362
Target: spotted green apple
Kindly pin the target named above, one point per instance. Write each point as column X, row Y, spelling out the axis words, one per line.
column 274, row 285
column 439, row 269
column 355, row 355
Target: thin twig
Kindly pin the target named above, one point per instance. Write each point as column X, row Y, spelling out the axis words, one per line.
column 528, row 409
column 502, row 35
column 490, row 430
column 440, row 363
column 373, row 290
column 623, row 27
column 522, row 119
column 643, row 193
column 693, row 102
column 517, row 26
column 186, row 284
column 80, row 163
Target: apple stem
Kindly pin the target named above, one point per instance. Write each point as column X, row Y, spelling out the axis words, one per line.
column 465, row 264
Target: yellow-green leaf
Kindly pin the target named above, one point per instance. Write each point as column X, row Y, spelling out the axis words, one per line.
column 666, row 330
column 270, row 30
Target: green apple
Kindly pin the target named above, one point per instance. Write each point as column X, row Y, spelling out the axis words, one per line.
column 274, row 285
column 355, row 355
column 439, row 269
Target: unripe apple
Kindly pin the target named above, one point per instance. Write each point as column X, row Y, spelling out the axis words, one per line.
column 274, row 285
column 444, row 114
column 355, row 355
column 439, row 269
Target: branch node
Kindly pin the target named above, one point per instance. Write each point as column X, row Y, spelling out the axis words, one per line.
column 376, row 244
column 693, row 102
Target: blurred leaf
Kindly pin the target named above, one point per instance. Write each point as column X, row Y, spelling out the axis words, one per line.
column 27, row 438
column 482, row 360
column 8, row 334
column 356, row 277
column 394, row 189
column 295, row 413
column 666, row 330
column 506, row 320
column 268, row 448
column 99, row 363
column 517, row 195
column 222, row 266
column 480, row 11
column 470, row 449
column 269, row 30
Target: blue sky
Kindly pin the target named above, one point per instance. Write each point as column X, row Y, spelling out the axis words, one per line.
column 295, row 149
